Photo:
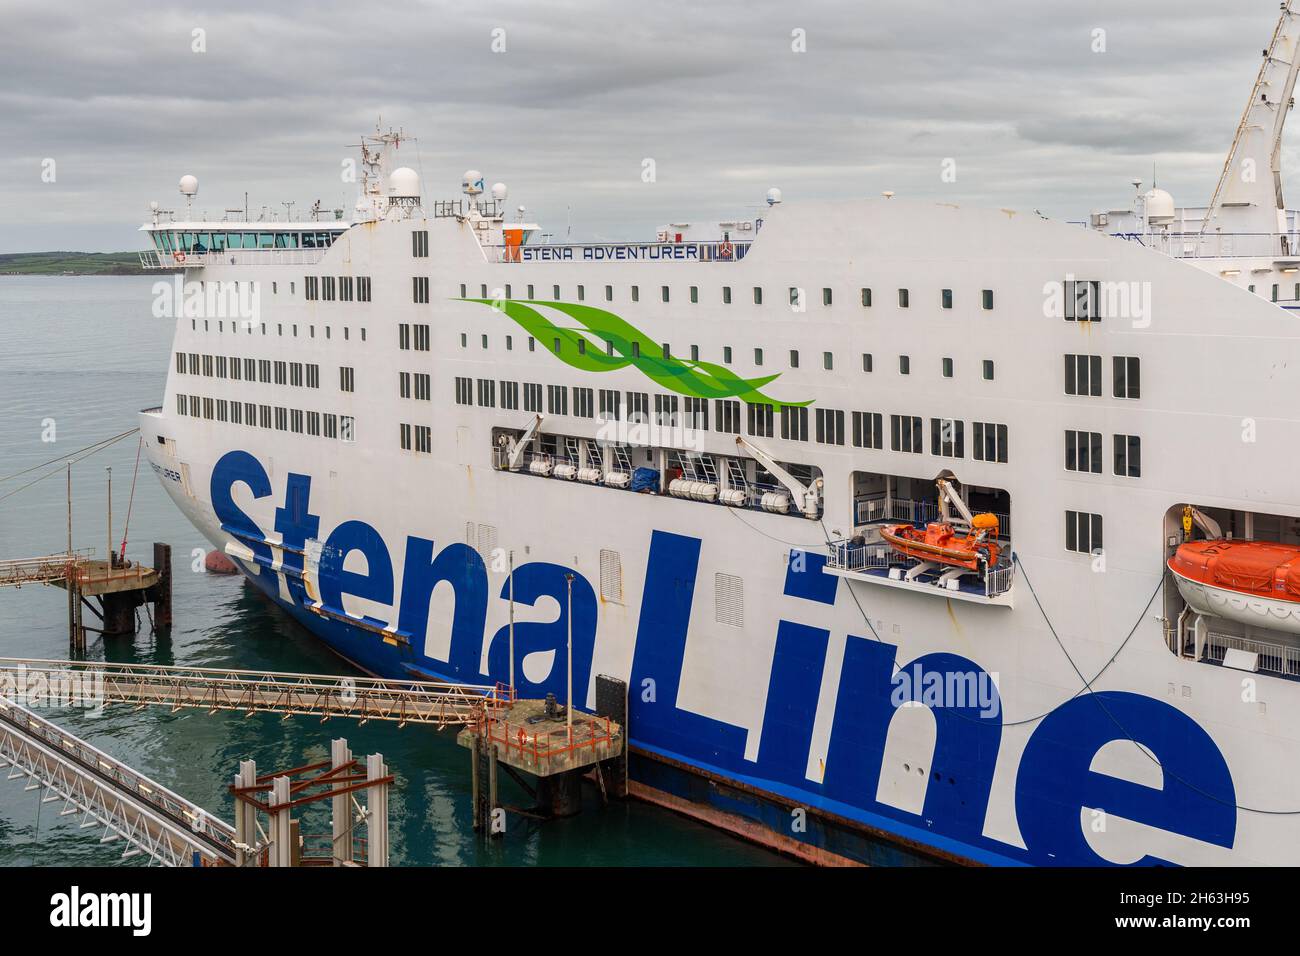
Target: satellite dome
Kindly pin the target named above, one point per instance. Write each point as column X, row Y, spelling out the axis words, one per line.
column 404, row 182
column 499, row 191
column 473, row 182
column 773, row 196
column 1160, row 207
column 189, row 185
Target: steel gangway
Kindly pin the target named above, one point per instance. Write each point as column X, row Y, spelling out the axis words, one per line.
column 149, row 817
column 251, row 691
column 106, row 792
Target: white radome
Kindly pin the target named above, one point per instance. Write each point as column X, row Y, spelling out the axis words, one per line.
column 1160, row 207
column 404, row 182
column 471, row 182
column 773, row 196
column 499, row 192
column 189, row 185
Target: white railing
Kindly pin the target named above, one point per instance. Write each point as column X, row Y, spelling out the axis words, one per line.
column 1282, row 659
column 847, row 556
column 153, row 259
column 1216, row 245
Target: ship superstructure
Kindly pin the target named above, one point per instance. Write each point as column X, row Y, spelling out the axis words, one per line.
column 885, row 539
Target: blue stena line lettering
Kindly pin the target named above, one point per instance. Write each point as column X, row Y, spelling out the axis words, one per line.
column 1054, row 781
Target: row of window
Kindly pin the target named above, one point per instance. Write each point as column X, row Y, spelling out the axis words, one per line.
column 415, row 437
column 827, row 426
column 416, row 337
column 254, row 370
column 798, row 297
column 1083, row 376
column 283, row 419
column 236, row 324
column 1083, row 452
column 342, row 288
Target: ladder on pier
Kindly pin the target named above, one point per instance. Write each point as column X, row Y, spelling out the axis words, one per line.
column 249, row 692
column 130, row 806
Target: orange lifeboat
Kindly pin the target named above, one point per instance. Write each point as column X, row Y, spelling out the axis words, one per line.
column 1252, row 582
column 940, row 542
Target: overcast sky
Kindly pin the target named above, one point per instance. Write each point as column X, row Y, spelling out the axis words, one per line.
column 1011, row 91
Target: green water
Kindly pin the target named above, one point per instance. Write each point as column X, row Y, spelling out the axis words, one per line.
column 84, row 354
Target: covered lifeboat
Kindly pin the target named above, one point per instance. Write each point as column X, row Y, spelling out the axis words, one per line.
column 1251, row 582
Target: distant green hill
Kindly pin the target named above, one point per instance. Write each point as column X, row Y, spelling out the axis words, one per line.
column 71, row 263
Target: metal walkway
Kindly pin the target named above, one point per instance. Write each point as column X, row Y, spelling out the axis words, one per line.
column 250, row 692
column 130, row 806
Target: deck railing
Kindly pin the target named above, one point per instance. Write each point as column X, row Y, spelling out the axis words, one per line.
column 152, row 259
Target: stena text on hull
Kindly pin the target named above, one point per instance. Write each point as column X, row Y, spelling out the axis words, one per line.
column 905, row 557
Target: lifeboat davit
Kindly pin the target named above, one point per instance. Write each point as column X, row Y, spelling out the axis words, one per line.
column 941, row 543
column 1251, row 582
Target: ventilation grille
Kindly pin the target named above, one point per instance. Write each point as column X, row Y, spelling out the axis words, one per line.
column 729, row 599
column 611, row 577
column 487, row 543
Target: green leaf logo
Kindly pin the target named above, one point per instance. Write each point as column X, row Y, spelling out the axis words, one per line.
column 695, row 379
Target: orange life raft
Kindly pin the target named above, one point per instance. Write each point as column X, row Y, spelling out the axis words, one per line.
column 940, row 542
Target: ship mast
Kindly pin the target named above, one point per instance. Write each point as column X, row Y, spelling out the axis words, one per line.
column 1256, row 202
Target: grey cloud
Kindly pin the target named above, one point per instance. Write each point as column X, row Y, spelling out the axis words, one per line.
column 1009, row 89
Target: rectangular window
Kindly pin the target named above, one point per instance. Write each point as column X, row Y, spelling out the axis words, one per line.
column 866, row 298
column 758, row 295
column 828, row 361
column 310, row 289
column 557, row 400
column 221, row 366
column 1083, row 375
column 347, row 428
column 946, row 299
column 904, row 298
column 867, row 430
column 281, row 418
column 236, row 413
column 583, row 402
column 696, row 413
column 830, row 426
column 1126, row 376
column 1083, row 451
column 905, row 433
column 327, row 288
column 1128, row 456
column 904, row 365
column 181, row 405
column 948, row 437
column 638, row 407
column 420, row 289
column 363, row 288
column 420, row 245
column 207, row 365
column 423, row 387
column 180, row 362
column 236, row 368
column 421, row 337
column 794, row 422
column 313, row 376
column 664, row 292
column 666, row 410
column 988, row 370
column 826, row 296
column 487, row 393
column 1082, row 532
column 345, row 288
column 281, row 372
column 510, row 395
column 695, row 294
column 1082, row 301
column 758, row 356
column 726, row 295
column 331, row 423
column 264, row 370
column 404, row 384
column 726, row 354
column 761, row 419
column 346, row 379
column 987, row 299
column 726, row 415
column 295, row 420
column 423, row 439
column 866, row 361
column 947, row 368
column 404, row 436
column 990, row 442
column 464, row 390
column 794, row 358
column 313, row 423
column 532, row 397
column 609, row 404
column 404, row 335
column 295, row 374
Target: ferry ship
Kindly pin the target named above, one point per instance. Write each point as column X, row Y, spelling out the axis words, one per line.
column 920, row 533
